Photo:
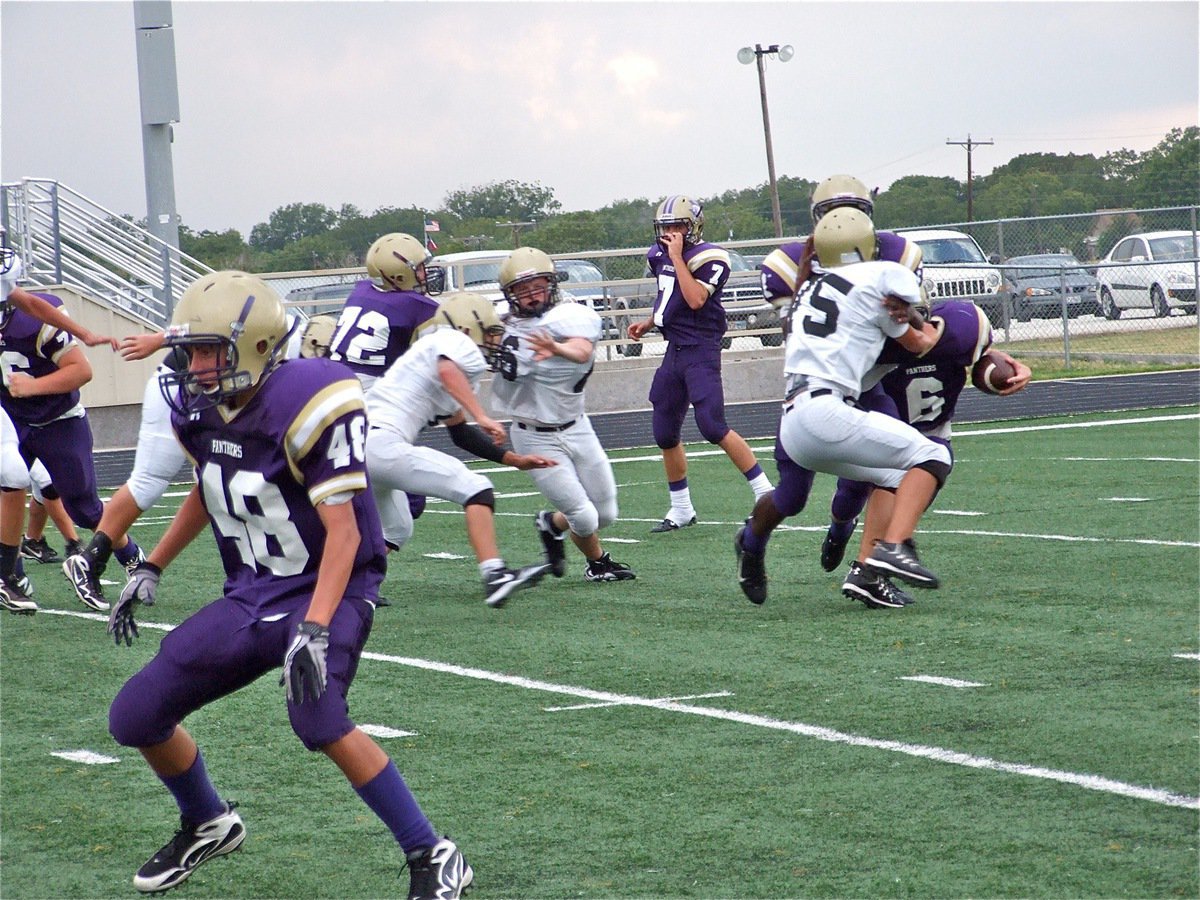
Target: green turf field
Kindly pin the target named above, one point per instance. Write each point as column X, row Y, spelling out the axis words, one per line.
column 1029, row 730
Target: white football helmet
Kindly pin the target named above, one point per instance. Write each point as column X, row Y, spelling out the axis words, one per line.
column 474, row 316
column 317, row 336
column 397, row 261
column 240, row 314
column 526, row 264
column 844, row 236
column 841, row 190
column 678, row 210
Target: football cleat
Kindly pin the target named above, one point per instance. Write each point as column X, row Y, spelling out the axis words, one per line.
column 135, row 562
column 85, row 581
column 607, row 569
column 39, row 550
column 192, row 845
column 439, row 872
column 752, row 569
column 669, row 524
column 553, row 543
column 900, row 560
column 873, row 590
column 500, row 583
column 73, row 547
column 832, row 549
column 14, row 599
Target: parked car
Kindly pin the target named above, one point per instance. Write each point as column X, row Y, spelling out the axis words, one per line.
column 1154, row 270
column 745, row 306
column 1037, row 284
column 324, row 298
column 477, row 271
column 955, row 268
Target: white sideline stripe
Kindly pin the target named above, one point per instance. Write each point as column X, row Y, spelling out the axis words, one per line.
column 613, row 540
column 87, row 757
column 1170, row 459
column 945, row 682
column 383, row 731
column 1187, row 655
column 443, row 555
column 1141, row 420
column 660, row 700
column 1127, row 499
column 937, row 754
column 1066, row 538
column 955, row 512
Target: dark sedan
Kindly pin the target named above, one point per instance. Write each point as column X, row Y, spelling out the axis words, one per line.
column 1038, row 283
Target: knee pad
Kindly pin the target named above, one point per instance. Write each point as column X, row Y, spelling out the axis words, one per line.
column 49, row 492
column 486, row 497
column 10, row 490
column 712, row 426
column 936, row 468
column 667, row 443
column 606, row 513
column 584, row 522
column 146, row 489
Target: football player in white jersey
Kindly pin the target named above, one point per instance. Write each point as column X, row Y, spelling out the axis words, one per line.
column 838, row 326
column 546, row 358
column 435, row 381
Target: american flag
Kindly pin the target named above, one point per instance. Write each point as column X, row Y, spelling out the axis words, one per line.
column 429, row 243
column 431, row 225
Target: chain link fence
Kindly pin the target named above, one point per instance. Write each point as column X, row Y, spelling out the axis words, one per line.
column 1113, row 289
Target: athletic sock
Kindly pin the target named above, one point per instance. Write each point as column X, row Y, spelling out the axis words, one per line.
column 841, row 531
column 389, row 798
column 128, row 553
column 9, row 554
column 759, row 483
column 681, row 501
column 488, row 566
column 194, row 792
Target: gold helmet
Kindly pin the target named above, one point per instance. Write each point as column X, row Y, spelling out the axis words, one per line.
column 838, row 191
column 317, row 336
column 474, row 316
column 396, row 262
column 844, row 236
column 526, row 264
column 678, row 210
column 237, row 312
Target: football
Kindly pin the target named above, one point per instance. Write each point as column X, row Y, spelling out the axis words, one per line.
column 991, row 373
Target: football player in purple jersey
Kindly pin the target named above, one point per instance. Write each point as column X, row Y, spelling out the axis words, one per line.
column 924, row 391
column 687, row 310
column 382, row 313
column 278, row 451
column 41, row 370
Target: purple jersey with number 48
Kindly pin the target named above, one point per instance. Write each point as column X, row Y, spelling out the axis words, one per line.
column 297, row 442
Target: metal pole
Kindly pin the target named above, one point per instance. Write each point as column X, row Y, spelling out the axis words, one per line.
column 56, row 230
column 776, row 215
column 159, row 93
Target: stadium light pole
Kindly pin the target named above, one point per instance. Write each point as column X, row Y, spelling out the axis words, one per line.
column 755, row 54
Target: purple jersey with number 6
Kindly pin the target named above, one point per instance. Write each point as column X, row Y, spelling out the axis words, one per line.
column 926, row 390
column 33, row 348
column 678, row 322
column 297, row 442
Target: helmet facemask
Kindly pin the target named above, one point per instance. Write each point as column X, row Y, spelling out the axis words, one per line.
column 518, row 273
column 679, row 210
column 245, row 350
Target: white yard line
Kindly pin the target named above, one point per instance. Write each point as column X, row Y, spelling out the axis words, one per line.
column 936, row 754
column 944, row 682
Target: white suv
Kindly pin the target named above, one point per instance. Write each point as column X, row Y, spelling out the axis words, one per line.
column 1155, row 270
column 955, row 268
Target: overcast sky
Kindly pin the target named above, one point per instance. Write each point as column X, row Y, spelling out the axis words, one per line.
column 398, row 103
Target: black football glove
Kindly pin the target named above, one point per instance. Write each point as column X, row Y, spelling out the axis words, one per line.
column 304, row 670
column 138, row 590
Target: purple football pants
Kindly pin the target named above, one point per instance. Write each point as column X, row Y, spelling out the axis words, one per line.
column 688, row 376
column 223, row 648
column 65, row 449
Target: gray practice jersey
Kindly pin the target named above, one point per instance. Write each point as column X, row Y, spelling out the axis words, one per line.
column 549, row 391
column 410, row 395
column 839, row 322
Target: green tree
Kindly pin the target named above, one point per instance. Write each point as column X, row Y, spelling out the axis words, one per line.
column 1169, row 175
column 508, row 200
column 920, row 200
column 291, row 223
column 216, row 249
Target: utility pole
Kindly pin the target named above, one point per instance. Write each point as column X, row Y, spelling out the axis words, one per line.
column 970, row 145
column 516, row 230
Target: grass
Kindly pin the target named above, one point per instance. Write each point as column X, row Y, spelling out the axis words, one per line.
column 1071, row 567
column 1110, row 354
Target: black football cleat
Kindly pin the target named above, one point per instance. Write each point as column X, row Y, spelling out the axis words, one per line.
column 752, row 569
column 900, row 561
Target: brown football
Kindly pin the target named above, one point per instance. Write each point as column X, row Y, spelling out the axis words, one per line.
column 991, row 373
